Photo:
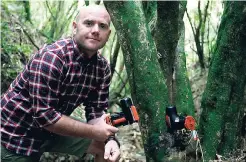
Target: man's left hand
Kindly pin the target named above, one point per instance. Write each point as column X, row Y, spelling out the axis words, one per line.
column 112, row 151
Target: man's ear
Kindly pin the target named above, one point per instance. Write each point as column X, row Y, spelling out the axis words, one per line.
column 109, row 32
column 74, row 27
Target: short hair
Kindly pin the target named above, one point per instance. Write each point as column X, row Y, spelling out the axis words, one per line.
column 78, row 13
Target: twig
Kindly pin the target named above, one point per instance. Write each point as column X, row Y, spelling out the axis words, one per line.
column 120, row 77
column 193, row 49
column 47, row 4
column 204, row 22
column 115, row 55
column 199, row 143
column 192, row 27
column 28, row 36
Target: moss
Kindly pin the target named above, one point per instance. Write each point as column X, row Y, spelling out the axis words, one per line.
column 183, row 98
column 223, row 95
column 148, row 87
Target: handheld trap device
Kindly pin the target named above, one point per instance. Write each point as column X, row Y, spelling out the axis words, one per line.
column 175, row 122
column 128, row 115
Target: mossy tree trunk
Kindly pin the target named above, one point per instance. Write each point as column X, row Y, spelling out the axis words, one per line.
column 183, row 95
column 223, row 97
column 150, row 11
column 147, row 79
column 166, row 39
column 147, row 82
column 172, row 59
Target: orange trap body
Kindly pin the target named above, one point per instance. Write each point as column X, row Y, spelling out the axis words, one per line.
column 128, row 115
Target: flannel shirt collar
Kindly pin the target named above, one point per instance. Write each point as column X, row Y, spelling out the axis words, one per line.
column 79, row 55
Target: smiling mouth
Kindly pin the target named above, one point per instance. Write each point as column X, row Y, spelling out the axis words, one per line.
column 94, row 39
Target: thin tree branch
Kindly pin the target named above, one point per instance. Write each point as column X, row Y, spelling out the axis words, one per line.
column 116, row 94
column 47, row 4
column 209, row 50
column 112, row 46
column 28, row 36
column 70, row 16
column 193, row 49
column 115, row 55
column 119, row 76
column 204, row 22
column 198, row 29
column 118, row 91
column 200, row 17
column 192, row 27
column 123, row 86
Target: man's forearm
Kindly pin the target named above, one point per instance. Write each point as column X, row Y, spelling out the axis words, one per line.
column 67, row 126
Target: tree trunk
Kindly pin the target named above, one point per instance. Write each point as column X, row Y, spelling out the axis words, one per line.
column 182, row 89
column 147, row 83
column 150, row 11
column 166, row 39
column 183, row 95
column 223, row 97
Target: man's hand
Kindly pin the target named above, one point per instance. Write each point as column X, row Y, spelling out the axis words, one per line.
column 102, row 130
column 100, row 120
column 112, row 151
column 109, row 152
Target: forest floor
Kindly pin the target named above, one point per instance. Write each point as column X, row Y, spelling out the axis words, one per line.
column 131, row 142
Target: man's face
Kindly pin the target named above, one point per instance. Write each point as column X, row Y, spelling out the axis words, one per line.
column 91, row 30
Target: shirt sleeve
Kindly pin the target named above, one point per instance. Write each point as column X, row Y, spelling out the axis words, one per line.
column 97, row 101
column 44, row 84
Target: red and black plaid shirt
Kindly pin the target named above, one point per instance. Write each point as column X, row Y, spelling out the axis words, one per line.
column 56, row 80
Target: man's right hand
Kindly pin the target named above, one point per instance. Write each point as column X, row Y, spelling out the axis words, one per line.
column 96, row 129
column 102, row 130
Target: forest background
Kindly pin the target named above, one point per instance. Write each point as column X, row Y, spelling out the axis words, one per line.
column 184, row 37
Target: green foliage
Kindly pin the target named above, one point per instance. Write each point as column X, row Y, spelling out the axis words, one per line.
column 27, row 10
column 20, row 33
column 222, row 101
column 58, row 19
column 15, row 50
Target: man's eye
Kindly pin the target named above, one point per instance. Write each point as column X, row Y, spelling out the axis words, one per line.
column 103, row 26
column 88, row 23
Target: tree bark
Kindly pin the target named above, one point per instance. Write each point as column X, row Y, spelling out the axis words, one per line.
column 166, row 39
column 223, row 97
column 150, row 11
column 147, row 83
column 183, row 95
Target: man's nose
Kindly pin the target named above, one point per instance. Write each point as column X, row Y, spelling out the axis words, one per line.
column 95, row 29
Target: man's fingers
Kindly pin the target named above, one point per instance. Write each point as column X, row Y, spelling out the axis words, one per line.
column 104, row 116
column 115, row 155
column 112, row 151
column 113, row 129
column 107, row 152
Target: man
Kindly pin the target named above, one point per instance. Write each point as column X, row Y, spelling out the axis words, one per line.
column 57, row 79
